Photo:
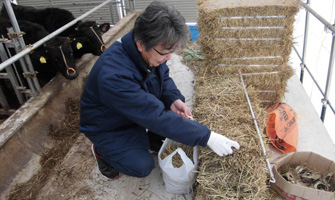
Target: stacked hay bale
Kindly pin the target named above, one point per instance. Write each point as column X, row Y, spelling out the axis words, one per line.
column 254, row 36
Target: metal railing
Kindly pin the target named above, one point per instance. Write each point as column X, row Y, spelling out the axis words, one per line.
column 325, row 93
column 26, row 64
column 32, row 81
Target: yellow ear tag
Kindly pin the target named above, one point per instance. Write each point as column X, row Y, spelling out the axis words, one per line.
column 79, row 45
column 43, row 60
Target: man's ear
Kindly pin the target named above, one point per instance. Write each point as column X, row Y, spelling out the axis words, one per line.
column 140, row 46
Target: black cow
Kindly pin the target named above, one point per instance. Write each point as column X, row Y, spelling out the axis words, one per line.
column 54, row 56
column 53, row 18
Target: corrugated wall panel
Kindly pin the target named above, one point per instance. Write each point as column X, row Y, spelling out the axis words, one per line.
column 187, row 8
column 79, row 7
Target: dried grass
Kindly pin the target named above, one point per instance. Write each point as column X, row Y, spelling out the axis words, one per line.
column 251, row 36
column 221, row 105
column 254, row 37
column 64, row 136
column 176, row 159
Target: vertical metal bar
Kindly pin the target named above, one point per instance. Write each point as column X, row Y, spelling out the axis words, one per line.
column 329, row 79
column 325, row 100
column 133, row 4
column 13, row 64
column 51, row 35
column 122, row 8
column 130, row 6
column 302, row 65
column 111, row 11
column 273, row 180
column 51, row 3
column 11, row 76
column 26, row 64
column 32, row 82
column 3, row 101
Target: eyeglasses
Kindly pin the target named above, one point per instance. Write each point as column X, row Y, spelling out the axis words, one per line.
column 162, row 54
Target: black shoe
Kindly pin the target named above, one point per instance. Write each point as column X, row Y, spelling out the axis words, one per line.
column 107, row 170
column 155, row 141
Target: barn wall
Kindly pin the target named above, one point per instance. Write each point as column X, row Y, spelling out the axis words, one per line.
column 78, row 7
column 187, row 8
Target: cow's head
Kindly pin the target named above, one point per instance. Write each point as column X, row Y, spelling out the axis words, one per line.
column 93, row 33
column 60, row 55
column 79, row 46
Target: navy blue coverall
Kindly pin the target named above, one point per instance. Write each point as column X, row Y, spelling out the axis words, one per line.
column 122, row 99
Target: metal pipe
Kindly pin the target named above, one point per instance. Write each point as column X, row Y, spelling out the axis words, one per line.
column 319, row 17
column 11, row 76
column 329, row 79
column 325, row 100
column 304, row 45
column 314, row 80
column 331, row 107
column 32, row 82
column 131, row 5
column 311, row 75
column 122, row 8
column 111, row 11
column 273, row 180
column 50, row 36
column 296, row 51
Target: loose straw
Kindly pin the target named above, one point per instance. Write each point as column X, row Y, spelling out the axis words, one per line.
column 273, row 180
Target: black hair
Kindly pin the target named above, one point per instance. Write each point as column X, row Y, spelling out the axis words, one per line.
column 161, row 24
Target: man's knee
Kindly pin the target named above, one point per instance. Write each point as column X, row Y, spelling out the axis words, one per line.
column 138, row 163
column 143, row 168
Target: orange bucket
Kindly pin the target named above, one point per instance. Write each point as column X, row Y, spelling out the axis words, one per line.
column 282, row 127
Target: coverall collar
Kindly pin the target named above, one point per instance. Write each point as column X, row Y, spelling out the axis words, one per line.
column 130, row 47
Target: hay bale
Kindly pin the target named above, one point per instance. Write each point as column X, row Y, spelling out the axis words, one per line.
column 237, row 29
column 270, row 83
column 199, row 2
column 254, row 36
column 222, row 106
column 231, row 48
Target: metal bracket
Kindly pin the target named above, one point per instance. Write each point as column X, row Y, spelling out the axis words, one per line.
column 31, row 47
column 302, row 66
column 24, row 90
column 21, row 88
column 15, row 35
column 324, row 102
column 327, row 30
column 30, row 74
column 4, row 40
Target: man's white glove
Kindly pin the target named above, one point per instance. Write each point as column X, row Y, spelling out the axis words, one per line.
column 221, row 145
